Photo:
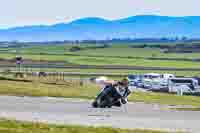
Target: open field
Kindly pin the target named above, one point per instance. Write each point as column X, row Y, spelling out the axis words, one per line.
column 11, row 126
column 112, row 73
column 85, row 60
column 115, row 55
column 120, row 50
column 73, row 89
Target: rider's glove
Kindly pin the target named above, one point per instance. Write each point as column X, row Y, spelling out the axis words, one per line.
column 124, row 100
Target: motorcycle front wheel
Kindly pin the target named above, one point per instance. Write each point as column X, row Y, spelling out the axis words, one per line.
column 103, row 103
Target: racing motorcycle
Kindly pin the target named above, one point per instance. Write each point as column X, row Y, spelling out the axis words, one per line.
column 111, row 95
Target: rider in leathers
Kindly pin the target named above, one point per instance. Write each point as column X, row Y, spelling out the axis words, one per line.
column 121, row 86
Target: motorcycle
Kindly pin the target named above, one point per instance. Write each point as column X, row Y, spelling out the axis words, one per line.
column 111, row 96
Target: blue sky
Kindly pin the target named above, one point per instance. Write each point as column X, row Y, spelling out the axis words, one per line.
column 33, row 12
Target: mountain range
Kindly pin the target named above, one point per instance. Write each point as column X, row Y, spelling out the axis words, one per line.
column 142, row 26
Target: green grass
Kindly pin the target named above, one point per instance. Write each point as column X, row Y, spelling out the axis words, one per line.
column 133, row 62
column 107, row 61
column 12, row 126
column 165, row 99
column 114, row 72
column 136, row 52
column 122, row 50
column 186, row 109
column 72, row 89
column 115, row 55
column 52, row 88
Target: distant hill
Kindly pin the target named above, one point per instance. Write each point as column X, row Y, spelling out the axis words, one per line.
column 144, row 26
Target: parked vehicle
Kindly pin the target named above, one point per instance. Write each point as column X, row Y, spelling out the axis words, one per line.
column 135, row 80
column 155, row 81
column 185, row 84
column 167, row 76
column 150, row 79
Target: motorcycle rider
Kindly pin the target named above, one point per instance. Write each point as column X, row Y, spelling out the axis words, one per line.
column 121, row 87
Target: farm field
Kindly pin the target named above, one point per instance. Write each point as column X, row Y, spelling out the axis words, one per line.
column 123, row 50
column 85, row 60
column 114, row 55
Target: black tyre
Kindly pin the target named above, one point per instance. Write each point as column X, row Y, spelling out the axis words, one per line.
column 100, row 104
column 103, row 104
column 95, row 104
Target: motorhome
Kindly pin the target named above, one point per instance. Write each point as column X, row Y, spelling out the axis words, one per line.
column 152, row 75
column 167, row 76
column 185, row 84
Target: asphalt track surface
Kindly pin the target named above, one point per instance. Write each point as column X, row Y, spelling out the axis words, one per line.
column 75, row 111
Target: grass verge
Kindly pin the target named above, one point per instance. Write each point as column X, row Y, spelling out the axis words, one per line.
column 186, row 109
column 11, row 126
column 165, row 99
column 50, row 87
